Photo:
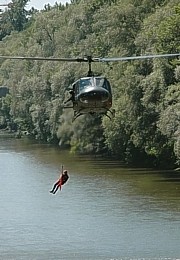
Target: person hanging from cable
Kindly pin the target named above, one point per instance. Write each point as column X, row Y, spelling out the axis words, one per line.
column 61, row 181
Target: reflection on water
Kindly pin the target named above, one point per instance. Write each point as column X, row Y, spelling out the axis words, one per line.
column 105, row 211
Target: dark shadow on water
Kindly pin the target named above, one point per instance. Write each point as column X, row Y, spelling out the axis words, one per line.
column 170, row 176
column 170, row 180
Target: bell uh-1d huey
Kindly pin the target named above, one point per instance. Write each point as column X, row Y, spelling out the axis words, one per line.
column 91, row 94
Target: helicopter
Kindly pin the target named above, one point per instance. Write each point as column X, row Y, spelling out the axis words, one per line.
column 91, row 94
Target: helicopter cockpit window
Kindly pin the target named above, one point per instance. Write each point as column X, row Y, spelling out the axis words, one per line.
column 100, row 82
column 84, row 83
column 103, row 83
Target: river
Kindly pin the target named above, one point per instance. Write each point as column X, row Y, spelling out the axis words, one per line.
column 105, row 211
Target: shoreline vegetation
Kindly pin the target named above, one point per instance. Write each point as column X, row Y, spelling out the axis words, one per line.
column 5, row 133
column 14, row 134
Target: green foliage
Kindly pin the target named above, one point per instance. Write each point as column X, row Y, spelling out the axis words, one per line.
column 168, row 32
column 15, row 18
column 5, row 103
column 145, row 93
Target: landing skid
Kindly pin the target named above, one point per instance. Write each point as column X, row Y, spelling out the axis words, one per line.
column 78, row 114
column 112, row 112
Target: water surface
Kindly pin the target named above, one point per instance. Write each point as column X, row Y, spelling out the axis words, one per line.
column 105, row 211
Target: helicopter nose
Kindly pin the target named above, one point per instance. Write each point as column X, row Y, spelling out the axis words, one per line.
column 93, row 96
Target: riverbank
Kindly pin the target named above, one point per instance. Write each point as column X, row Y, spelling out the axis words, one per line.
column 10, row 134
column 4, row 133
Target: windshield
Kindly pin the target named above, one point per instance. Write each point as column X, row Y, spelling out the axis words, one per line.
column 84, row 83
column 103, row 83
column 94, row 82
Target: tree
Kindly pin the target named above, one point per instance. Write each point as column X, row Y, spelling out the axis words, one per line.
column 145, row 93
column 15, row 18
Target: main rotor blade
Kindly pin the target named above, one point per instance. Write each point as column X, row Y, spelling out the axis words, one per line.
column 89, row 59
column 43, row 58
column 136, row 57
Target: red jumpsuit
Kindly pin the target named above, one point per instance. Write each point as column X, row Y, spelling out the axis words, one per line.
column 63, row 179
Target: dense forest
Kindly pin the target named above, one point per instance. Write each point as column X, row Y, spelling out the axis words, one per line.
column 146, row 93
